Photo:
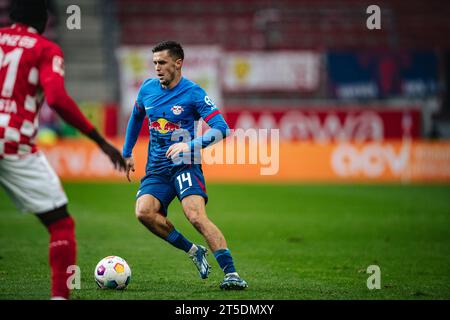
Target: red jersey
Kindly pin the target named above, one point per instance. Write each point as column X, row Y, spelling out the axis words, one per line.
column 31, row 68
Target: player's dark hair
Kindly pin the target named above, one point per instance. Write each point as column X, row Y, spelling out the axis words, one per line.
column 30, row 12
column 175, row 49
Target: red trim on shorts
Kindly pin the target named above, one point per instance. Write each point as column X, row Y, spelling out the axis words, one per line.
column 200, row 183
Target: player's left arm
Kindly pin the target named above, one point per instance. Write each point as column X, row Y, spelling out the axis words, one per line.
column 51, row 79
column 219, row 128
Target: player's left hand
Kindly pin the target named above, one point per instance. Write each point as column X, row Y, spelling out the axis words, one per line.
column 175, row 149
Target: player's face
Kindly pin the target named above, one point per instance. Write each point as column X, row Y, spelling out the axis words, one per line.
column 167, row 68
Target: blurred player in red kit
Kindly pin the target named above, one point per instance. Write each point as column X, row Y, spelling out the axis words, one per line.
column 31, row 69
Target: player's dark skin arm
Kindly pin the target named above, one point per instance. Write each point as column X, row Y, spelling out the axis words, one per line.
column 62, row 103
column 113, row 154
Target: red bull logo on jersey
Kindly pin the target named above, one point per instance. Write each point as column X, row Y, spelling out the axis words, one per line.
column 164, row 126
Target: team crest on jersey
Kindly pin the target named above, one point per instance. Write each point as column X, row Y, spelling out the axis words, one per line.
column 177, row 110
column 58, row 65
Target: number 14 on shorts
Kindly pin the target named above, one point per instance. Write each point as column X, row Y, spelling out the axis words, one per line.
column 182, row 179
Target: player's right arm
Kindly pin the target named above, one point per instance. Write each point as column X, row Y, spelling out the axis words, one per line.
column 51, row 79
column 133, row 128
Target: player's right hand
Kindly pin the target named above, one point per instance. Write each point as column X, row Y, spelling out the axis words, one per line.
column 130, row 166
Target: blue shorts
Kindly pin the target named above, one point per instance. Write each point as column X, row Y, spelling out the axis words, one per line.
column 187, row 180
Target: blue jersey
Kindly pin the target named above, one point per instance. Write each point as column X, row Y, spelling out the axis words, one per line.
column 172, row 114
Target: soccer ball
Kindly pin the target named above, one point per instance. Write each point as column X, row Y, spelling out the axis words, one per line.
column 112, row 272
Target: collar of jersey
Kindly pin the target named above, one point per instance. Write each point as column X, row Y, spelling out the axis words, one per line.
column 179, row 82
column 21, row 26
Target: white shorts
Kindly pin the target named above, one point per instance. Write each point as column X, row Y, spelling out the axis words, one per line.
column 32, row 184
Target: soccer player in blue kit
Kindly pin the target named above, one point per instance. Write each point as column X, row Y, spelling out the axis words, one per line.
column 173, row 104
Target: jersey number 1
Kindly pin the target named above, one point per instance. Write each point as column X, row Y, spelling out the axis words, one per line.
column 11, row 61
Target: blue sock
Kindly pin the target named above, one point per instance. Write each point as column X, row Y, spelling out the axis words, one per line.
column 223, row 257
column 178, row 240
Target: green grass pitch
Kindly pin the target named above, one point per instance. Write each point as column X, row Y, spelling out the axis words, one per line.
column 290, row 242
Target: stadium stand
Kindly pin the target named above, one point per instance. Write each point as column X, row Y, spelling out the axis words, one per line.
column 284, row 24
column 293, row 25
column 252, row 25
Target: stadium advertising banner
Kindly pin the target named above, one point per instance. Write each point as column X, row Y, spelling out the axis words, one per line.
column 201, row 65
column 323, row 125
column 373, row 75
column 278, row 71
column 233, row 161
